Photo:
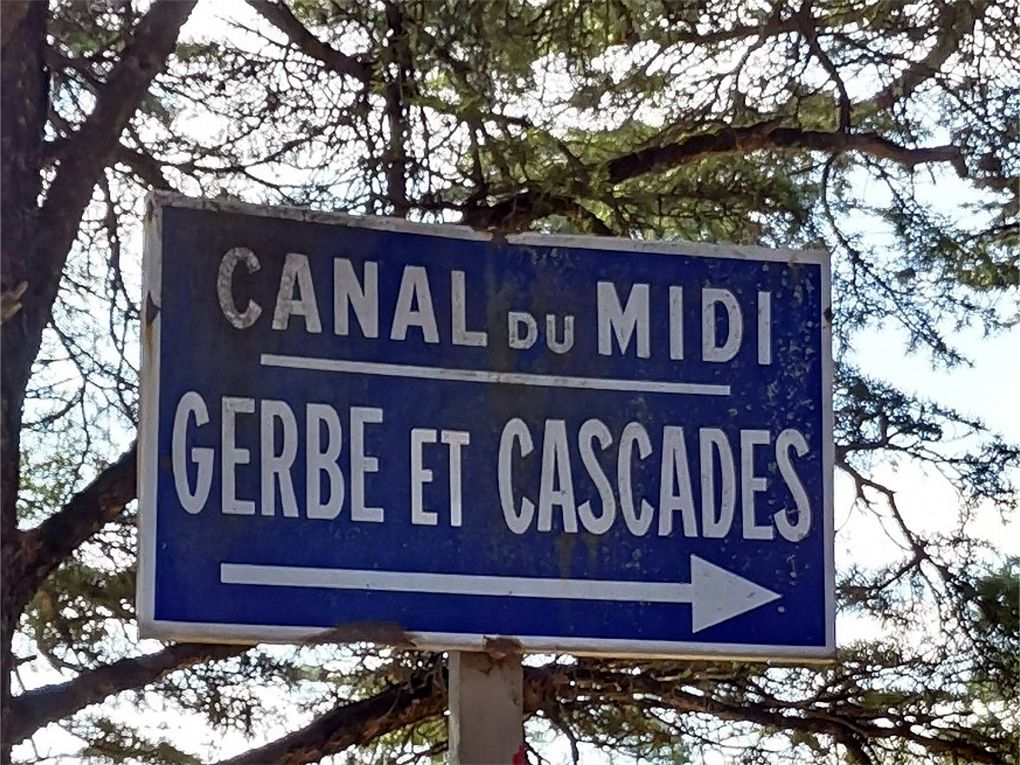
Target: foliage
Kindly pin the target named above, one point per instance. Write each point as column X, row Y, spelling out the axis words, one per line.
column 828, row 124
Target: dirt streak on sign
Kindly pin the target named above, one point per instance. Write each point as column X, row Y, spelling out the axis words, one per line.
column 594, row 445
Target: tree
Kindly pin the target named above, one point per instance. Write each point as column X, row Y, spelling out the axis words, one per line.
column 822, row 123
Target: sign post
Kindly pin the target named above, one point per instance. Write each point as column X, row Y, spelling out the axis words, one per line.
column 486, row 708
column 432, row 435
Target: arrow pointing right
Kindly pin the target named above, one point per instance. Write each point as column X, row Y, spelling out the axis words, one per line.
column 714, row 593
column 720, row 595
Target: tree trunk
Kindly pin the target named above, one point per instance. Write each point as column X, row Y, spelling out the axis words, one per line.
column 24, row 84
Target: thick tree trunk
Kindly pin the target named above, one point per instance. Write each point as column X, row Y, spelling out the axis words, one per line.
column 36, row 241
column 24, row 86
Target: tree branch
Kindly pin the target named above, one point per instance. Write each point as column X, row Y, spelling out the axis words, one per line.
column 86, row 512
column 422, row 696
column 954, row 23
column 398, row 56
column 34, row 709
column 146, row 167
column 543, row 687
column 89, row 149
column 281, row 17
column 809, row 30
column 521, row 209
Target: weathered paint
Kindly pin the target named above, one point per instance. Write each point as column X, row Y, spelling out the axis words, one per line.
column 188, row 344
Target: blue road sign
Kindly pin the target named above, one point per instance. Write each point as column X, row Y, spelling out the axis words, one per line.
column 383, row 430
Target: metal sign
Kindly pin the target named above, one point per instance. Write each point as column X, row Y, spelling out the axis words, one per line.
column 385, row 430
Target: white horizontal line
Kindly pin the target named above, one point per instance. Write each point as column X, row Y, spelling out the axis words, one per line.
column 455, row 584
column 486, row 376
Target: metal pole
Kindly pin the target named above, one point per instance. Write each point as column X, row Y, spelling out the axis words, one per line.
column 486, row 708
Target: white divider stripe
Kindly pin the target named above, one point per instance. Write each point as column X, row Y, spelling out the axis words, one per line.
column 487, row 376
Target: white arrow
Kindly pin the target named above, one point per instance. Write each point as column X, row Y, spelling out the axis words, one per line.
column 714, row 593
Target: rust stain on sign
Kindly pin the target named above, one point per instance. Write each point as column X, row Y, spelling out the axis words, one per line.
column 500, row 648
column 383, row 633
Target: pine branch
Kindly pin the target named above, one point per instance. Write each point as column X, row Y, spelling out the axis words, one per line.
column 809, row 29
column 955, row 22
column 396, row 93
column 421, row 696
column 34, row 709
column 281, row 17
column 49, row 543
column 523, row 208
column 145, row 166
column 543, row 688
column 89, row 149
